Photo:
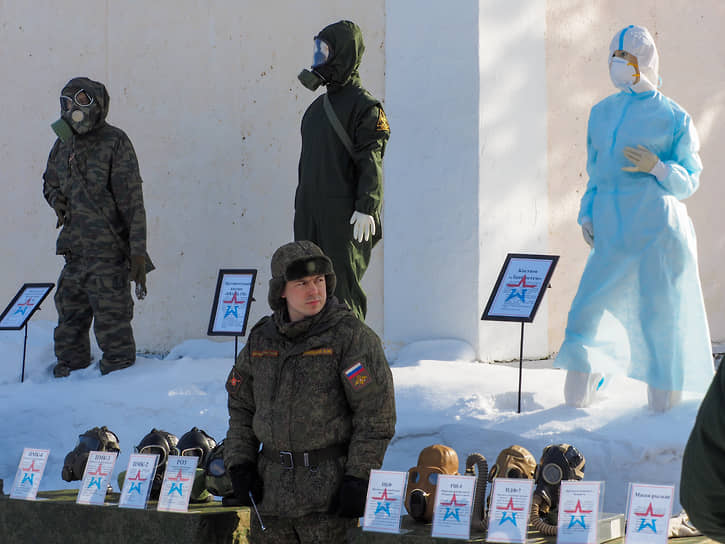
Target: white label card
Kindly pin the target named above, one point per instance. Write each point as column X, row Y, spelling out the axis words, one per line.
column 649, row 508
column 578, row 512
column 508, row 515
column 384, row 503
column 177, row 484
column 29, row 473
column 139, row 477
column 94, row 485
column 452, row 508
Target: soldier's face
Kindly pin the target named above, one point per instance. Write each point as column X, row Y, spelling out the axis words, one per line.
column 305, row 297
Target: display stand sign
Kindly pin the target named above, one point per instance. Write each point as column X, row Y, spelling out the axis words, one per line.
column 649, row 508
column 452, row 507
column 178, row 481
column 508, row 515
column 578, row 512
column 232, row 299
column 17, row 314
column 29, row 473
column 139, row 477
column 518, row 292
column 94, row 485
column 384, row 502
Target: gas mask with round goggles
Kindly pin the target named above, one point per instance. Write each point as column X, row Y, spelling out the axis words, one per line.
column 78, row 113
column 196, row 443
column 313, row 78
column 512, row 462
column 423, row 479
column 95, row 439
column 558, row 462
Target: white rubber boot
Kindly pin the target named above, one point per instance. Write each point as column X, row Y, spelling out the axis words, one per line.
column 580, row 388
column 660, row 400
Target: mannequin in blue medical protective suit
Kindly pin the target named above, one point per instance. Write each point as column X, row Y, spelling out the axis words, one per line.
column 639, row 308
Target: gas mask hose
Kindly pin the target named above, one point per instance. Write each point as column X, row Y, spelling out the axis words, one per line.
column 536, row 520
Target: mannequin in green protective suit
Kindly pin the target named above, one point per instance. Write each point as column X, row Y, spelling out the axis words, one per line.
column 340, row 190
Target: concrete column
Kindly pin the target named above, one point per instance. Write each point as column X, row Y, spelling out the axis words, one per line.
column 466, row 168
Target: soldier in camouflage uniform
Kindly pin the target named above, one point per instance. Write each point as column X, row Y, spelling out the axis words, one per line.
column 313, row 386
column 338, row 204
column 92, row 181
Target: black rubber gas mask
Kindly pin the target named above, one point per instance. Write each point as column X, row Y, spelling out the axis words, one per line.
column 558, row 462
column 95, row 439
column 162, row 444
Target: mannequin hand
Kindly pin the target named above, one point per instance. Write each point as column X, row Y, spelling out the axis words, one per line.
column 588, row 233
column 644, row 160
column 364, row 226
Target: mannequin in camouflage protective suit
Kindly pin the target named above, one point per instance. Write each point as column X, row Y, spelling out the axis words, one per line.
column 313, row 386
column 92, row 182
column 339, row 196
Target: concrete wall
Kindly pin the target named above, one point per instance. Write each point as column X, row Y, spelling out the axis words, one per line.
column 691, row 49
column 487, row 100
column 207, row 91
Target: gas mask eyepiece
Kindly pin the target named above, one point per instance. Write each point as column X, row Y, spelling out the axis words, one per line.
column 423, row 479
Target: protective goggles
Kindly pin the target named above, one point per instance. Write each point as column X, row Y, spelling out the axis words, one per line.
column 321, row 52
column 193, row 452
column 432, row 476
column 91, row 443
column 158, row 450
column 512, row 472
column 81, row 98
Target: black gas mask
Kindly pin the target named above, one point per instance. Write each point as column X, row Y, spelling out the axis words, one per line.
column 314, row 77
column 196, row 443
column 162, row 444
column 558, row 462
column 95, row 439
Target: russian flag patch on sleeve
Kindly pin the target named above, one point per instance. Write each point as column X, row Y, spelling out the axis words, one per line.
column 357, row 376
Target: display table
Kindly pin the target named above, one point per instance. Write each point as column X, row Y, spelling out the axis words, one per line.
column 56, row 518
column 419, row 533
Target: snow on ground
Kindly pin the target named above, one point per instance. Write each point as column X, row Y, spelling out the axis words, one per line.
column 443, row 396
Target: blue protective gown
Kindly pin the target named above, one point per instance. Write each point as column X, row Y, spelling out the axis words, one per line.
column 639, row 308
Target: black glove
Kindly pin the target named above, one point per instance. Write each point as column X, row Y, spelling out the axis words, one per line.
column 138, row 270
column 351, row 501
column 244, row 479
column 60, row 206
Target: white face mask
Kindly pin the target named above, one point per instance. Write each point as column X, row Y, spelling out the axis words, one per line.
column 622, row 73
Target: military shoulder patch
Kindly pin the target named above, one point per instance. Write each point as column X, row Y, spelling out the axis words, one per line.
column 318, row 351
column 357, row 376
column 382, row 121
column 234, row 382
column 265, row 353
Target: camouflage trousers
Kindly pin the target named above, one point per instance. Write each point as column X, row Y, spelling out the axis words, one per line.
column 309, row 529
column 98, row 291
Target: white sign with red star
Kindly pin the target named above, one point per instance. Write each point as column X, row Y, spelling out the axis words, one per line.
column 384, row 503
column 649, row 508
column 139, row 477
column 30, row 471
column 452, row 507
column 177, row 484
column 578, row 512
column 94, row 485
column 508, row 515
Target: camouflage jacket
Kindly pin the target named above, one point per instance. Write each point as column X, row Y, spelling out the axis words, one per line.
column 97, row 173
column 305, row 386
